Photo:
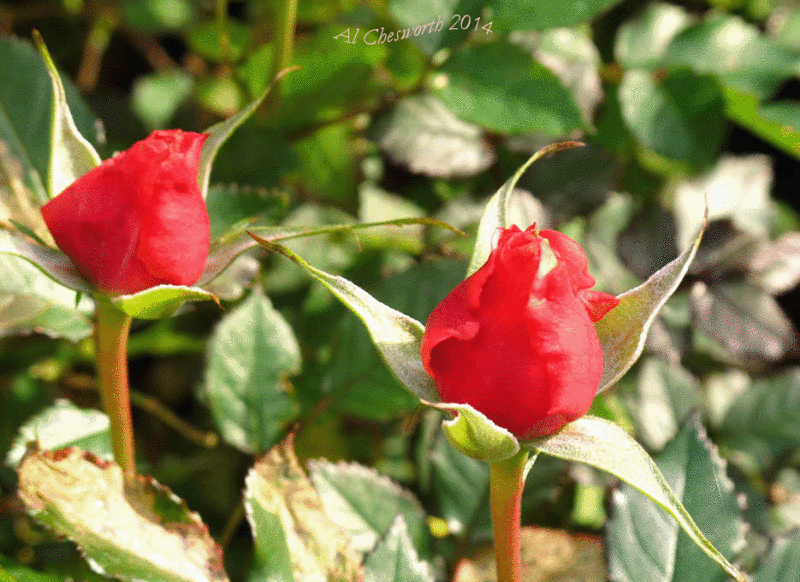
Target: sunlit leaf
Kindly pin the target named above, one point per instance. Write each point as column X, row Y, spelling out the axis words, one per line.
column 64, row 425
column 642, row 41
column 160, row 301
column 364, row 503
column 286, row 514
column 251, row 353
column 394, row 560
column 605, row 445
column 755, row 326
column 423, row 134
column 133, row 529
column 662, row 552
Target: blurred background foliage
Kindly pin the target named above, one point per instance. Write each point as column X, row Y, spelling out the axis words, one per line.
column 678, row 102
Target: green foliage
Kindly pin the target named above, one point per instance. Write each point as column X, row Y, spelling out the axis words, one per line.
column 666, row 96
column 694, row 470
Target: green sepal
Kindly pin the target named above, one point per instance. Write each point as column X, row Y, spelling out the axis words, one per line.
column 159, row 302
column 71, row 154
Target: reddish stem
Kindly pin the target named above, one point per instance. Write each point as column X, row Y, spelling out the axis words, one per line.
column 111, row 333
column 506, row 483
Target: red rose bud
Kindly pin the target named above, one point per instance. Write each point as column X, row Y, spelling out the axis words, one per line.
column 516, row 339
column 138, row 220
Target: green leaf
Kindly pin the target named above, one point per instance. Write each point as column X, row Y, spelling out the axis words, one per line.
column 442, row 27
column 220, row 132
column 33, row 303
column 496, row 212
column 295, row 539
column 605, row 445
column 642, row 41
column 335, row 79
column 623, row 331
column 71, row 154
column 543, row 14
column 64, row 425
column 132, row 529
column 663, row 553
column 398, row 338
column 394, row 560
column 777, row 126
column 659, row 400
column 500, row 87
column 424, row 135
column 51, row 262
column 205, row 39
column 250, row 355
column 364, row 504
column 460, row 486
column 12, row 572
column 360, row 383
column 737, row 188
column 26, row 103
column 769, row 410
column 783, row 562
column 756, row 328
column 680, row 117
column 157, row 96
column 160, row 301
column 738, row 52
column 396, row 335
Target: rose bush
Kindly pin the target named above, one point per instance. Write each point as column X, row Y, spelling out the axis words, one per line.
column 516, row 340
column 138, row 220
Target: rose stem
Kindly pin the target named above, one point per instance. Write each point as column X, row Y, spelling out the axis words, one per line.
column 111, row 331
column 506, row 483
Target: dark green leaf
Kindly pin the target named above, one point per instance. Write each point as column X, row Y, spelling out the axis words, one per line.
column 646, row 544
column 360, row 382
column 500, row 87
column 12, row 572
column 544, row 14
column 461, row 487
column 769, row 409
column 680, row 117
column 250, row 355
